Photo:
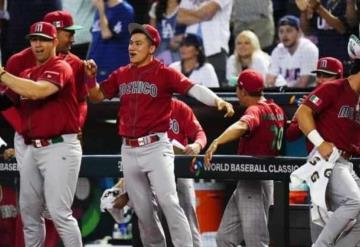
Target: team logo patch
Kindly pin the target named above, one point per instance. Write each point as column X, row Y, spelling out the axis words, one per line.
column 315, row 100
column 196, row 166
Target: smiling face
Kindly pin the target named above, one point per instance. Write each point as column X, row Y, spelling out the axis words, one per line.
column 42, row 48
column 243, row 46
column 140, row 49
column 288, row 35
column 66, row 39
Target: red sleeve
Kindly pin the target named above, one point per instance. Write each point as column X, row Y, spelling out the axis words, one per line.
column 109, row 86
column 251, row 117
column 178, row 82
column 293, row 132
column 322, row 97
column 58, row 74
column 189, row 123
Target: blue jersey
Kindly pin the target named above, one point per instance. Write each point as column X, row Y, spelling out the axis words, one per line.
column 168, row 28
column 109, row 54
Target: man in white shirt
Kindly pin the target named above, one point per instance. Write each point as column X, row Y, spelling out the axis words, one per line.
column 207, row 18
column 294, row 58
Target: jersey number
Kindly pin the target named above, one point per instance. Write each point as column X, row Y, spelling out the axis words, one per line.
column 278, row 136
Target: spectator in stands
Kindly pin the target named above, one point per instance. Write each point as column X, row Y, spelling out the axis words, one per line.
column 255, row 15
column 83, row 12
column 294, row 58
column 193, row 62
column 247, row 54
column 211, row 20
column 110, row 37
column 163, row 17
column 259, row 132
column 330, row 22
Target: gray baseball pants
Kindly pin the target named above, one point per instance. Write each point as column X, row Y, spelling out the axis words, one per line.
column 151, row 167
column 246, row 215
column 343, row 196
column 187, row 198
column 48, row 177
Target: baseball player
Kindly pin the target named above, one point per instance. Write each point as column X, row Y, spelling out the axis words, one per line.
column 260, row 131
column 329, row 117
column 145, row 87
column 45, row 96
column 184, row 126
column 328, row 69
column 25, row 59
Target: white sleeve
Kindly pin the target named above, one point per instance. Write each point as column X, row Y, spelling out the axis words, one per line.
column 260, row 64
column 203, row 94
column 309, row 58
column 186, row 4
column 213, row 80
column 230, row 67
column 274, row 67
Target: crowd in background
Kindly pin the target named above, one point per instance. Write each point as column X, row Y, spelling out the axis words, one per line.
column 230, row 35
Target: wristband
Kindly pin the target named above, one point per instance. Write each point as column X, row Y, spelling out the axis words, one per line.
column 315, row 138
column 91, row 82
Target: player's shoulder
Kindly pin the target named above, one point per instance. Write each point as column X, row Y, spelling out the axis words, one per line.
column 22, row 55
column 57, row 63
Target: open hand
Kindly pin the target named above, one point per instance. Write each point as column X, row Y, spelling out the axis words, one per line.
column 209, row 152
column 223, row 105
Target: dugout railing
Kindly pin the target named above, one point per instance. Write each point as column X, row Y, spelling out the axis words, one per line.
column 222, row 167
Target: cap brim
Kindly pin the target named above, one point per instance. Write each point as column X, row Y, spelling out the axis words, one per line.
column 324, row 71
column 136, row 26
column 39, row 35
column 73, row 28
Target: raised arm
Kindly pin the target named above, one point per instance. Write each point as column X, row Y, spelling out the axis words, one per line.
column 27, row 88
column 95, row 93
column 191, row 16
column 208, row 97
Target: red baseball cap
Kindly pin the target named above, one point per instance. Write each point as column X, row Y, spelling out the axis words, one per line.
column 62, row 20
column 251, row 80
column 151, row 32
column 42, row 29
column 329, row 65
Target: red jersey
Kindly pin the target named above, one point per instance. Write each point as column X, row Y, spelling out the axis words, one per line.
column 14, row 65
column 25, row 59
column 145, row 96
column 266, row 121
column 337, row 117
column 184, row 125
column 56, row 114
column 77, row 66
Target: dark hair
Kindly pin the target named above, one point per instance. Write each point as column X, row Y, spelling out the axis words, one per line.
column 201, row 56
column 161, row 9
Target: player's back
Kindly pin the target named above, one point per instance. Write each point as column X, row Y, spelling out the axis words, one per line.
column 266, row 134
column 20, row 61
